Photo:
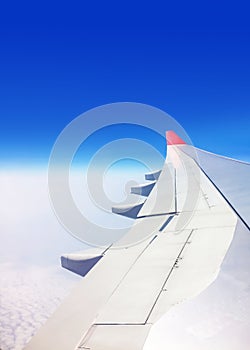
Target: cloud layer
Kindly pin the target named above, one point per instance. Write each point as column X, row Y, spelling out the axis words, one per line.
column 29, row 295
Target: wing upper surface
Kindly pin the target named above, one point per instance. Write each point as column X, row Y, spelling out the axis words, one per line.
column 184, row 228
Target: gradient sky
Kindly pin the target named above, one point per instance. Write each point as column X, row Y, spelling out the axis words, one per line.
column 58, row 59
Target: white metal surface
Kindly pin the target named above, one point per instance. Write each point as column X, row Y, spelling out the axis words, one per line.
column 162, row 197
column 218, row 318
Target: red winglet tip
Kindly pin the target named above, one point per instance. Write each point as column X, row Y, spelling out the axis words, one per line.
column 173, row 138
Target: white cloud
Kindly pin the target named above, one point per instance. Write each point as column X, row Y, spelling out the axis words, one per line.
column 29, row 295
column 32, row 281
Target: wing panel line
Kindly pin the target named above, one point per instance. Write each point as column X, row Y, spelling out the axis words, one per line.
column 169, row 274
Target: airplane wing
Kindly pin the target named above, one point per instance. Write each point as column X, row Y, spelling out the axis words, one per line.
column 185, row 228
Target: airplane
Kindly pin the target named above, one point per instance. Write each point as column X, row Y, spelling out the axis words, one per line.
column 191, row 260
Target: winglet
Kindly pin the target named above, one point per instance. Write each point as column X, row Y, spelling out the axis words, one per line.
column 173, row 138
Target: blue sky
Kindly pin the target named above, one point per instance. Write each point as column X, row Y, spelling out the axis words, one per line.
column 106, row 135
column 58, row 59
